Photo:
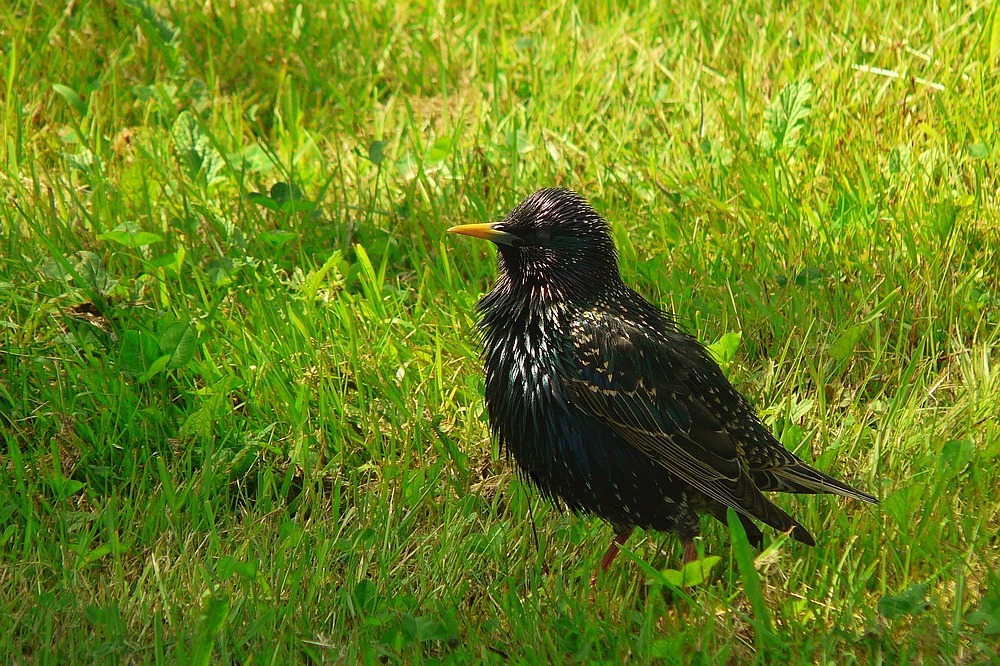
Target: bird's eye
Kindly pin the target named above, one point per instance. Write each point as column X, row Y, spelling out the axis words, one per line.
column 543, row 235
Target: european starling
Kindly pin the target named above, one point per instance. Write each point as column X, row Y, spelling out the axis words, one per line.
column 605, row 403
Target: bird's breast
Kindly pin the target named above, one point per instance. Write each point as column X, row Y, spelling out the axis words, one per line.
column 524, row 392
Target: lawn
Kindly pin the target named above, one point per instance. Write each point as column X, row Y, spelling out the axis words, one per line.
column 241, row 395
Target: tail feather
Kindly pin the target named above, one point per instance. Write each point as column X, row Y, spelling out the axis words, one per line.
column 776, row 469
column 769, row 514
column 801, row 478
column 754, row 535
column 780, row 520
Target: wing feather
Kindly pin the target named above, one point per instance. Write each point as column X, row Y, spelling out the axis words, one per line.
column 642, row 389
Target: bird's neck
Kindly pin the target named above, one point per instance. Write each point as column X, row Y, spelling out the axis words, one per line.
column 544, row 277
column 539, row 309
column 520, row 308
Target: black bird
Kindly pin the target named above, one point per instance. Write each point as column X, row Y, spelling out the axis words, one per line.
column 605, row 403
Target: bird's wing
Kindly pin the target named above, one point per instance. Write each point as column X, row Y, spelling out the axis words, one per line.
column 775, row 469
column 657, row 395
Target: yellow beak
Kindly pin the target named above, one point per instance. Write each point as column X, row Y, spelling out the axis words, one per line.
column 486, row 231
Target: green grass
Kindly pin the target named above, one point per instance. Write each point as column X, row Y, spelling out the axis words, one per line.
column 240, row 397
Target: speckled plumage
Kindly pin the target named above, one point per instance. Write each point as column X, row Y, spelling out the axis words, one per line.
column 604, row 402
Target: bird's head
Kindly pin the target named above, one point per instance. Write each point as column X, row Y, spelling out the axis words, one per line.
column 552, row 240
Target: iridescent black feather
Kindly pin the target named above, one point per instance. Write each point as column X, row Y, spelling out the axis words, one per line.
column 604, row 402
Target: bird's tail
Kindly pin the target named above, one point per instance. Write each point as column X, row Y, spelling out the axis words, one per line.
column 801, row 478
column 780, row 520
column 759, row 507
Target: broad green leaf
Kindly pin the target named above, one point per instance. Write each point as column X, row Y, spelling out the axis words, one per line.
column 785, row 117
column 297, row 205
column 289, row 198
column 376, row 151
column 902, row 504
column 252, row 158
column 438, row 153
column 724, row 349
column 911, row 601
column 842, row 349
column 137, row 352
column 282, row 192
column 691, row 574
column 64, row 487
column 130, row 235
column 195, row 149
column 172, row 261
column 957, row 454
column 518, row 141
column 155, row 368
column 277, row 238
column 791, row 436
column 180, row 342
column 808, row 275
column 365, row 599
column 980, row 151
column 264, row 200
column 163, row 29
column 56, row 269
column 408, row 167
column 988, row 614
column 221, row 270
column 94, row 555
column 426, row 629
column 229, row 565
column 90, row 271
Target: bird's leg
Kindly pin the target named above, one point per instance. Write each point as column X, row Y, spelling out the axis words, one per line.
column 612, row 552
column 621, row 536
column 690, row 553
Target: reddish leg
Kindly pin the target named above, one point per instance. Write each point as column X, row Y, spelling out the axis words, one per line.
column 690, row 552
column 611, row 553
